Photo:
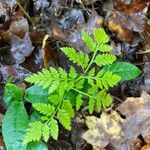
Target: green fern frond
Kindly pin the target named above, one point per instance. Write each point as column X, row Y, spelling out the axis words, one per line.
column 72, row 73
column 63, row 73
column 90, row 84
column 111, row 79
column 80, row 84
column 91, row 105
column 104, row 48
column 43, row 108
column 104, row 59
column 64, row 119
column 100, row 35
column 54, row 85
column 53, row 127
column 34, row 132
column 54, row 99
column 67, row 106
column 107, row 80
column 91, row 72
column 88, row 41
column 79, row 102
column 99, row 98
column 45, row 132
column 106, row 101
column 79, row 58
column 41, row 78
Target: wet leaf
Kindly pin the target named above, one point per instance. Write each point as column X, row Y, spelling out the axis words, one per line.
column 131, row 6
column 63, row 29
column 40, row 4
column 19, row 27
column 48, row 53
column 21, row 48
column 18, row 73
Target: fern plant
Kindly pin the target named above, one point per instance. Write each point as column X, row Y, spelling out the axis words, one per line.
column 58, row 82
column 53, row 87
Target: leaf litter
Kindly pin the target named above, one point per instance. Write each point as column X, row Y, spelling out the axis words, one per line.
column 119, row 133
column 125, row 21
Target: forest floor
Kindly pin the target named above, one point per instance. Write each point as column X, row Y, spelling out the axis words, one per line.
column 24, row 51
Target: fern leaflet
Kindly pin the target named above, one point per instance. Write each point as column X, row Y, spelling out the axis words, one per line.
column 104, row 59
column 53, row 127
column 45, row 109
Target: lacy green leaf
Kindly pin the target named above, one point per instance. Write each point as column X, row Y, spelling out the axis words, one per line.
column 45, row 109
column 53, row 127
column 88, row 41
column 100, row 35
column 104, row 59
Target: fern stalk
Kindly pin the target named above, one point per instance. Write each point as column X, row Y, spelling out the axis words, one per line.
column 83, row 93
column 91, row 62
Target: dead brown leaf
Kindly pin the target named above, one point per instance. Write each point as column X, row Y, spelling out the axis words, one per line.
column 121, row 134
column 125, row 24
column 19, row 27
column 131, row 6
column 68, row 30
column 132, row 105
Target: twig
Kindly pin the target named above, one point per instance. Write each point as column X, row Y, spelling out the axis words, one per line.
column 18, row 3
column 144, row 52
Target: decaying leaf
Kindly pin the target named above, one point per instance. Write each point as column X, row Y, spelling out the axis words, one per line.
column 86, row 2
column 124, row 24
column 40, row 4
column 19, row 27
column 68, row 29
column 131, row 6
column 21, row 48
column 48, row 53
column 102, row 131
column 132, row 105
column 137, row 111
column 18, row 73
column 121, row 134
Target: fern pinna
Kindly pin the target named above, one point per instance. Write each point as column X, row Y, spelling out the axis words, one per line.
column 58, row 82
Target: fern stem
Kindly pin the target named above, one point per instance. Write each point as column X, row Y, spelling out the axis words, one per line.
column 91, row 62
column 27, row 15
column 59, row 105
column 83, row 93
